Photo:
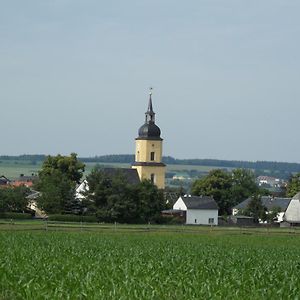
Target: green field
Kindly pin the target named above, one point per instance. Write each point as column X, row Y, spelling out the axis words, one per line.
column 72, row 261
column 12, row 169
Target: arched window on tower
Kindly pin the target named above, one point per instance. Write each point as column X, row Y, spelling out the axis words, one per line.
column 152, row 156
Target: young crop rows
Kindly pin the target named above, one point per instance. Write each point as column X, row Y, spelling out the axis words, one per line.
column 82, row 265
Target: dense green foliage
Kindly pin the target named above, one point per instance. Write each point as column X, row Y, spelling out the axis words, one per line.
column 57, row 181
column 57, row 192
column 59, row 265
column 293, row 186
column 69, row 166
column 227, row 188
column 110, row 198
column 15, row 215
column 72, row 218
column 217, row 184
column 242, row 184
column 114, row 199
column 13, row 199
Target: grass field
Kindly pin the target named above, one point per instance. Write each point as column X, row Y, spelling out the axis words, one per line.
column 142, row 262
column 13, row 169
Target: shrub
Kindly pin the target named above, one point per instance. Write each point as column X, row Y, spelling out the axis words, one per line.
column 72, row 218
column 13, row 215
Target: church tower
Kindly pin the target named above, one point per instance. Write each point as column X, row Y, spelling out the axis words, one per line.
column 148, row 150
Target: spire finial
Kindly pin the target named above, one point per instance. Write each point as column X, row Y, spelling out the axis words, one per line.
column 151, row 89
column 150, row 109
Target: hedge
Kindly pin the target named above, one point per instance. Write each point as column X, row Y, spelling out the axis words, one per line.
column 72, row 218
column 13, row 215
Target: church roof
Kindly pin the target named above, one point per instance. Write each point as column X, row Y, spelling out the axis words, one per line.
column 149, row 130
column 131, row 175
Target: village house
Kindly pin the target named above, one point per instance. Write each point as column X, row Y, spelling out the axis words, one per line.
column 289, row 208
column 197, row 210
column 4, row 181
column 23, row 180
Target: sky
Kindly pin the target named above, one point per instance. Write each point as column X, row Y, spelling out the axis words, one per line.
column 75, row 77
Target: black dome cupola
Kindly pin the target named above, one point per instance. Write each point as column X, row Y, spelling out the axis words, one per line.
column 149, row 130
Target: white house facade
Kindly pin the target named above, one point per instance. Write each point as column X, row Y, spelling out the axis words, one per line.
column 201, row 216
column 200, row 210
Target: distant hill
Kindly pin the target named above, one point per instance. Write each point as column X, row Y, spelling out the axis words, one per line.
column 260, row 166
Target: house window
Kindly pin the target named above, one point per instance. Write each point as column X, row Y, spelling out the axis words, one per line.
column 152, row 178
column 152, row 156
column 211, row 220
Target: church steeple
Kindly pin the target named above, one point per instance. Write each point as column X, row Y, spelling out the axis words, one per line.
column 150, row 114
column 148, row 151
column 149, row 130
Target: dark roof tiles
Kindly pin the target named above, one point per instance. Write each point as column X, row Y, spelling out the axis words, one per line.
column 131, row 175
column 199, row 202
column 268, row 202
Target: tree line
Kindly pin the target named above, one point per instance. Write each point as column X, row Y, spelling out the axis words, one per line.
column 113, row 198
column 272, row 166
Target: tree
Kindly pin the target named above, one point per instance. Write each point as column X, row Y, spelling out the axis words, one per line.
column 70, row 166
column 57, row 180
column 13, row 199
column 293, row 186
column 57, row 192
column 115, row 200
column 243, row 185
column 256, row 209
column 217, row 184
column 150, row 201
column 272, row 214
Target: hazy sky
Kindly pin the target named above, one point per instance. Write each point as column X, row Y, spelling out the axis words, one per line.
column 74, row 76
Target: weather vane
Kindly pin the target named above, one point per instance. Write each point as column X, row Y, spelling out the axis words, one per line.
column 151, row 89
